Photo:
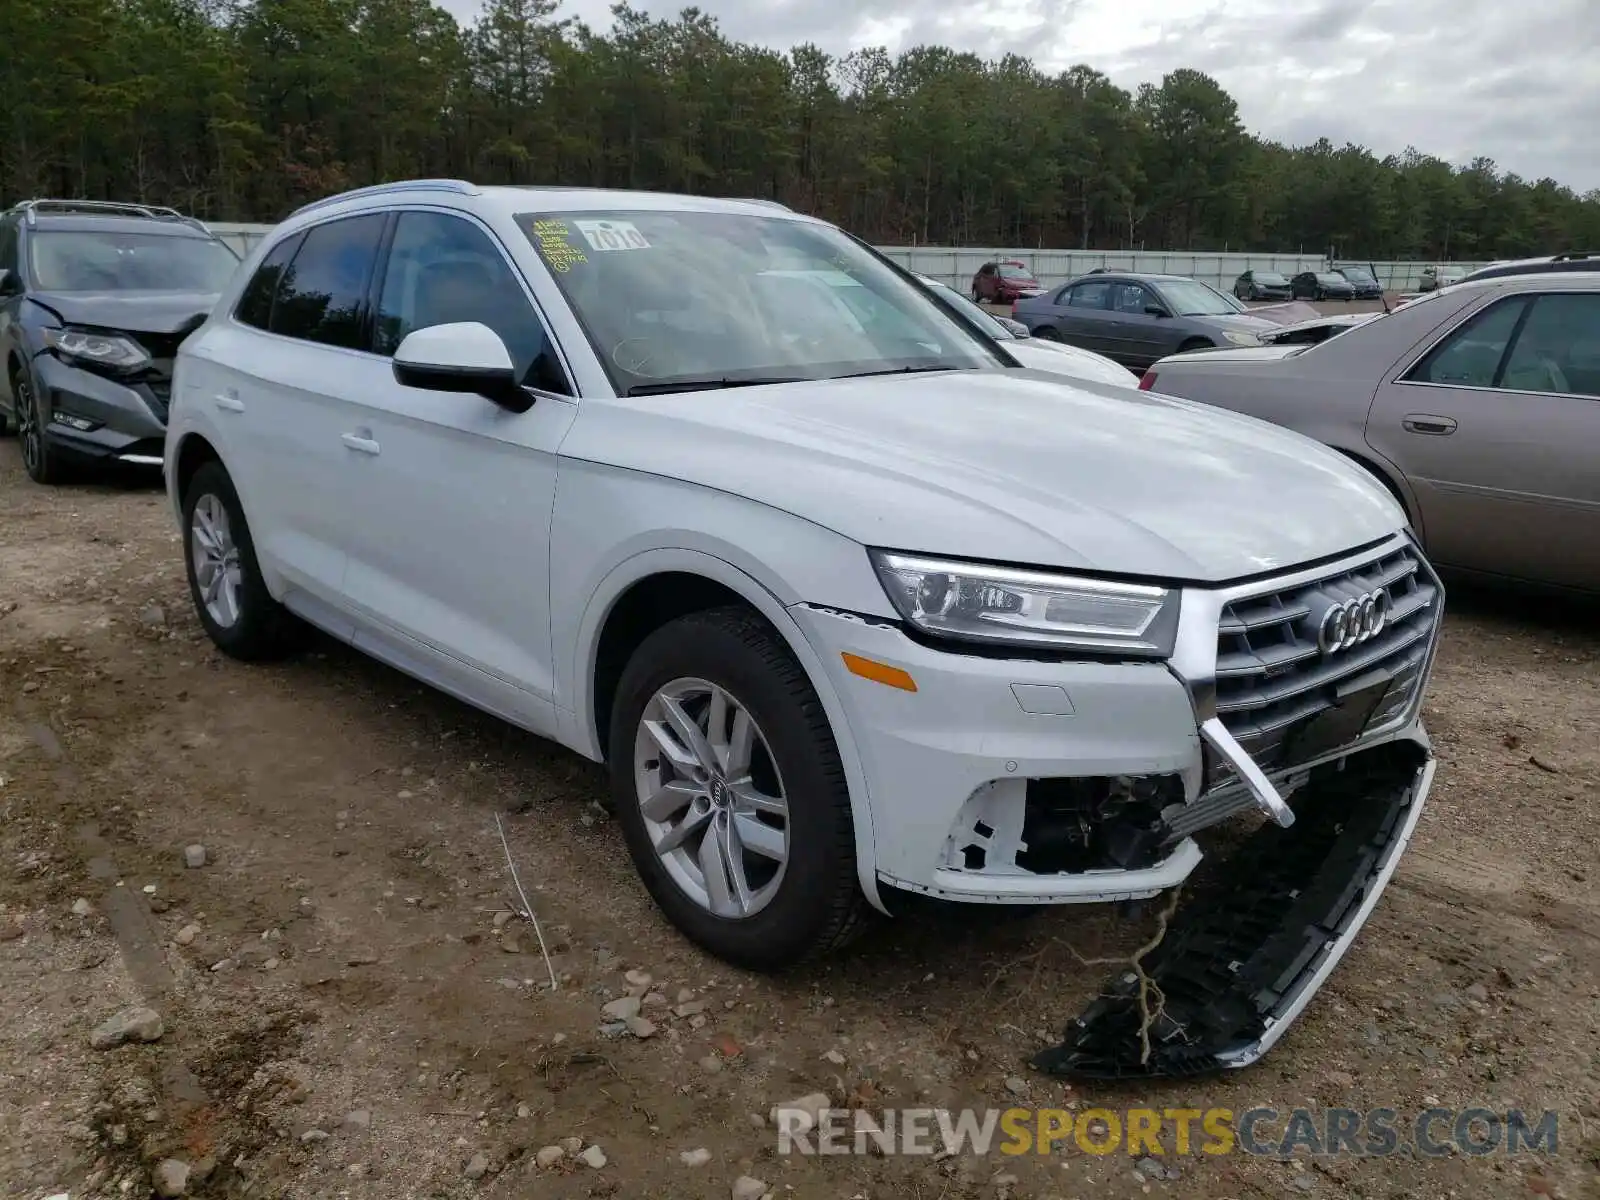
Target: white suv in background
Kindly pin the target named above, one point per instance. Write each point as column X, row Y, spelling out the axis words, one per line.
column 851, row 603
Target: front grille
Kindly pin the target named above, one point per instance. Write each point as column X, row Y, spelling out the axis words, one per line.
column 1283, row 698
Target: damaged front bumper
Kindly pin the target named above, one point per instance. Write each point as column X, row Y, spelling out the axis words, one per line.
column 1250, row 945
column 1013, row 779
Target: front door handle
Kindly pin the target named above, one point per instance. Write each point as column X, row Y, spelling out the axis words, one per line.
column 1428, row 423
column 361, row 445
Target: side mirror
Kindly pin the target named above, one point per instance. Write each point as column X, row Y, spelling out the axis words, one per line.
column 1154, row 310
column 466, row 356
column 10, row 283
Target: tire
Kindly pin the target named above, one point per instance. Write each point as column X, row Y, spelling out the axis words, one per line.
column 805, row 905
column 42, row 461
column 1195, row 344
column 976, row 298
column 1048, row 333
column 261, row 629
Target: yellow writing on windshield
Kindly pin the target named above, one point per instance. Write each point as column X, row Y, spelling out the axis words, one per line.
column 551, row 238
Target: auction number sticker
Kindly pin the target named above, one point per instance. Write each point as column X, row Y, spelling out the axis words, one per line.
column 612, row 235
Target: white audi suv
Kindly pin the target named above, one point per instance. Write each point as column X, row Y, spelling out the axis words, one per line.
column 852, row 604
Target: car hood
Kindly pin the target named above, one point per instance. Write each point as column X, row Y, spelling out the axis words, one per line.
column 135, row 312
column 1058, row 358
column 1241, row 322
column 1235, row 354
column 1008, row 465
column 1320, row 322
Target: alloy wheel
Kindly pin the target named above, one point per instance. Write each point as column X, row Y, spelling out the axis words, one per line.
column 29, row 434
column 713, row 801
column 216, row 560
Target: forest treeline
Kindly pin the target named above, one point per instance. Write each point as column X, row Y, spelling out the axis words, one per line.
column 243, row 109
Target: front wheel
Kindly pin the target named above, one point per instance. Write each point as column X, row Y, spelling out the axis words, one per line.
column 730, row 792
column 40, row 459
column 230, row 596
column 1048, row 334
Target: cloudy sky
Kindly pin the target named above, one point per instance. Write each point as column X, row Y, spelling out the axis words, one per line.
column 1517, row 80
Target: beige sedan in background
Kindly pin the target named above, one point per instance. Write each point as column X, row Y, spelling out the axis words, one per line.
column 1478, row 405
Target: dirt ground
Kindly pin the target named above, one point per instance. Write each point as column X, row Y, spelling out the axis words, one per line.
column 343, row 1016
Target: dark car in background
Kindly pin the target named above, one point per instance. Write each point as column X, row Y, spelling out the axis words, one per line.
column 1135, row 319
column 1004, row 283
column 1364, row 282
column 1321, row 285
column 94, row 299
column 1262, row 285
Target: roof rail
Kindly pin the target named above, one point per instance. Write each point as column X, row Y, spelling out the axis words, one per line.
column 109, row 208
column 766, row 203
column 459, row 186
column 1573, row 255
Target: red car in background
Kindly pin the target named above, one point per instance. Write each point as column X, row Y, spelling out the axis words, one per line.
column 1004, row 283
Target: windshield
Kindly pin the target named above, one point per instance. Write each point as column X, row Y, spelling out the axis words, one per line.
column 83, row 260
column 1271, row 279
column 676, row 300
column 973, row 312
column 1331, row 277
column 1191, row 298
column 1357, row 274
column 1010, row 272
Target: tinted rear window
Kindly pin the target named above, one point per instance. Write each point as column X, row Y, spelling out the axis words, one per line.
column 323, row 294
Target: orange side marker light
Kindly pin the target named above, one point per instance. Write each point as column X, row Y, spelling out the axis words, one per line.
column 878, row 672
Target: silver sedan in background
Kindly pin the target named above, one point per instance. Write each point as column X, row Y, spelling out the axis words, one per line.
column 1478, row 405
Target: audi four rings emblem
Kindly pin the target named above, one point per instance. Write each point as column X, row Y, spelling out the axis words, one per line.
column 1353, row 621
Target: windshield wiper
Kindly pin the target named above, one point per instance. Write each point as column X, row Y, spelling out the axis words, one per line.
column 703, row 385
column 893, row 371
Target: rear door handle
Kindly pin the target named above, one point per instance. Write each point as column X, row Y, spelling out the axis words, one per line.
column 230, row 402
column 361, row 445
column 1427, row 423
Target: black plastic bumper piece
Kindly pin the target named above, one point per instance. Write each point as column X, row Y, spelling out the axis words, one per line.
column 1249, row 942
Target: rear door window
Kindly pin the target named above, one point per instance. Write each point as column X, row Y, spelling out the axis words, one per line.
column 322, row 296
column 1472, row 355
column 1089, row 295
column 1558, row 349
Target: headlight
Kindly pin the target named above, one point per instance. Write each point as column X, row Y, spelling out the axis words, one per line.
column 976, row 603
column 97, row 349
column 1239, row 338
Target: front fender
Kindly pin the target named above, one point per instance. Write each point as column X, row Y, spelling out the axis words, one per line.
column 579, row 729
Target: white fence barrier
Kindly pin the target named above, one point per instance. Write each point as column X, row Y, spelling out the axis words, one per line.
column 956, row 265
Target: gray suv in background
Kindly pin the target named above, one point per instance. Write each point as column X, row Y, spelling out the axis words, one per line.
column 1136, row 318
column 94, row 298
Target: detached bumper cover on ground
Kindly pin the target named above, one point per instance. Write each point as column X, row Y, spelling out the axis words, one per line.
column 1246, row 950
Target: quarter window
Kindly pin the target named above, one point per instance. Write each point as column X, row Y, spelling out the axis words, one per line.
column 322, row 295
column 1472, row 355
column 255, row 304
column 443, row 270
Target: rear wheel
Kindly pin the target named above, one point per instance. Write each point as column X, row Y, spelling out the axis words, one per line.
column 730, row 792
column 230, row 596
